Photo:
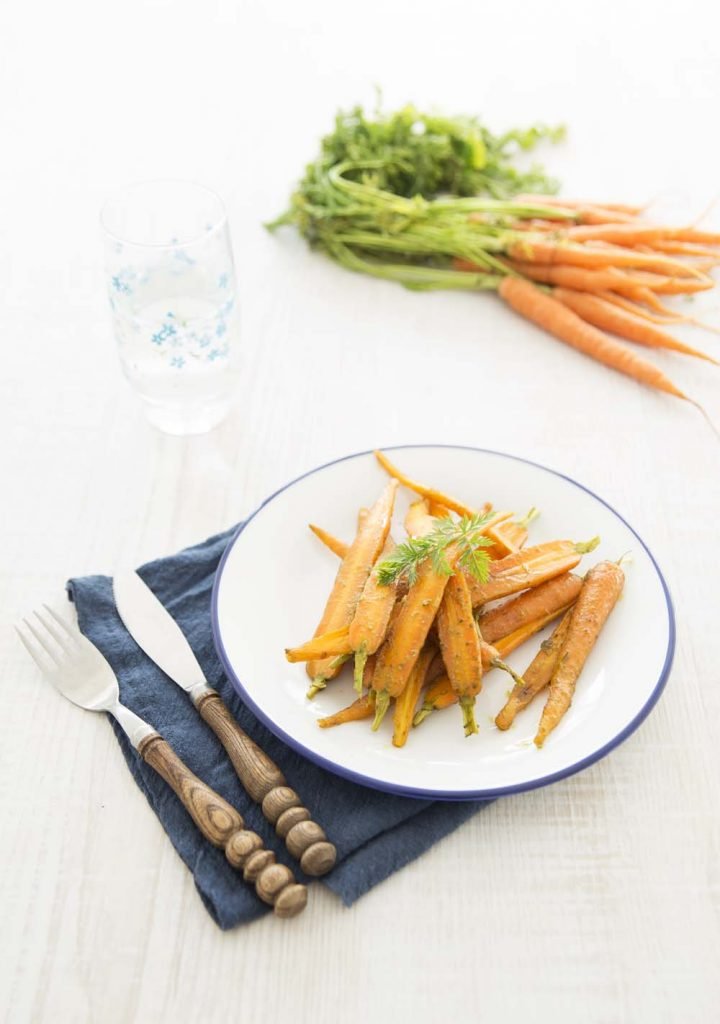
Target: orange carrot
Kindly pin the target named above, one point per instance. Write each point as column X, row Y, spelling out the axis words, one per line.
column 601, row 590
column 372, row 616
column 543, row 250
column 638, row 233
column 539, row 200
column 550, row 314
column 441, row 694
column 405, row 704
column 407, row 636
column 361, row 708
column 529, row 568
column 536, row 676
column 350, row 580
column 427, row 492
column 512, row 536
column 338, row 547
column 460, row 646
column 326, row 645
column 533, row 604
column 596, row 310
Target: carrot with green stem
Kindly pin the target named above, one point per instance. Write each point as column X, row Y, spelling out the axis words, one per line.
column 551, row 596
column 372, row 616
column 533, row 199
column 601, row 589
column 528, row 568
column 545, row 250
column 350, row 580
column 405, row 703
column 536, row 676
column 596, row 310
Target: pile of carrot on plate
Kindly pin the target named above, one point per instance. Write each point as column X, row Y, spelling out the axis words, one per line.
column 425, row 640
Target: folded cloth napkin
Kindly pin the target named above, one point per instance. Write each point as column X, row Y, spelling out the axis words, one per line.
column 375, row 833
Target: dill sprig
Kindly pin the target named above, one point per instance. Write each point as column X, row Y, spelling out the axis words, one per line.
column 465, row 534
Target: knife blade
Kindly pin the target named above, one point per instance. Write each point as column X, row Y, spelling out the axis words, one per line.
column 155, row 631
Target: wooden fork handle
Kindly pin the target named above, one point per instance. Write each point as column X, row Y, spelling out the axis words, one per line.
column 224, row 827
column 266, row 785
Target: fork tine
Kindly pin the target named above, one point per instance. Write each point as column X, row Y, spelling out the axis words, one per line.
column 60, row 621
column 36, row 657
column 60, row 639
column 42, row 641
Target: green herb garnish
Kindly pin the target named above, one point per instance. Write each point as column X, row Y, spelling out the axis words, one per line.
column 465, row 534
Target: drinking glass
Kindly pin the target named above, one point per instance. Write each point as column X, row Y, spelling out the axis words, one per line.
column 173, row 298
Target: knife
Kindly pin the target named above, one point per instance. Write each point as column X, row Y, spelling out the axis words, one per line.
column 158, row 634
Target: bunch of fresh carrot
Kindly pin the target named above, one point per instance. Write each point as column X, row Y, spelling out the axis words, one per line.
column 602, row 277
column 416, row 620
column 437, row 203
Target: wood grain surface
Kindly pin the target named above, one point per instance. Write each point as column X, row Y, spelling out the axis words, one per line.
column 596, row 899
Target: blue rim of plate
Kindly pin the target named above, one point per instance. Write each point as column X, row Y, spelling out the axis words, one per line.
column 419, row 792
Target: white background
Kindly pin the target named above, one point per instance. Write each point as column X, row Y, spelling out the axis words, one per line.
column 596, row 899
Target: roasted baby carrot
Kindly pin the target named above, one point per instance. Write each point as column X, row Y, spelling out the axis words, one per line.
column 460, row 646
column 350, row 580
column 550, row 314
column 372, row 616
column 338, row 547
column 441, row 694
column 408, row 634
column 533, row 604
column 537, row 675
column 528, row 567
column 601, row 589
column 405, row 704
column 327, row 645
column 363, row 707
column 512, row 535
column 427, row 492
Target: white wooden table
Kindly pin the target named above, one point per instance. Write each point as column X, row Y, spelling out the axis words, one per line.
column 595, row 899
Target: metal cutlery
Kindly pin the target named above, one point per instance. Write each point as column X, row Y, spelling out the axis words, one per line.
column 158, row 634
column 78, row 670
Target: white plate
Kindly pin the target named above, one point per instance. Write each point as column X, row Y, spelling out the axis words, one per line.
column 273, row 581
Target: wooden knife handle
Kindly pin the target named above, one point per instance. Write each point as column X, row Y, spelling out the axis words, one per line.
column 265, row 784
column 224, row 827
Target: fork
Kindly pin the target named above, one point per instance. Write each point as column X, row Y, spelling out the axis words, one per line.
column 78, row 670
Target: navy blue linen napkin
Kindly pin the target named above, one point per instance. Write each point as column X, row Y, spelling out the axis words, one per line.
column 375, row 833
